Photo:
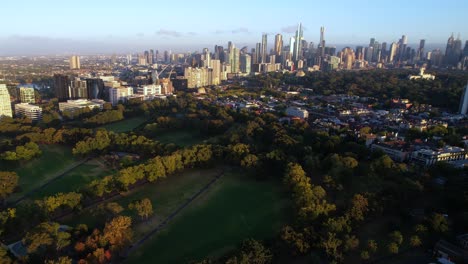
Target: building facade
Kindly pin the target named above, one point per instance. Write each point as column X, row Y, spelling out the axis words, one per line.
column 297, row 112
column 5, row 103
column 30, row 111
column 27, row 95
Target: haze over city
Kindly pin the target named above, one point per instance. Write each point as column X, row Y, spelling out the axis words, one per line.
column 90, row 27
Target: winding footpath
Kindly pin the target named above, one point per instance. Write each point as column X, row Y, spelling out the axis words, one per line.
column 158, row 228
column 58, row 175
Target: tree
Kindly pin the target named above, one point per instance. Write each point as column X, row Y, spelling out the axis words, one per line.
column 392, row 248
column 4, row 258
column 60, row 260
column 46, row 235
column 439, row 223
column 144, row 208
column 351, row 243
column 252, row 252
column 8, row 183
column 118, row 232
column 396, row 237
column 372, row 245
column 359, row 206
column 295, row 240
column 331, row 244
column 365, row 255
column 415, row 241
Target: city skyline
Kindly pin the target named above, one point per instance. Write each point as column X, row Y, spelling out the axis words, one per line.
column 114, row 27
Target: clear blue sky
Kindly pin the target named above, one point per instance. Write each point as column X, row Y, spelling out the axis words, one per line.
column 92, row 26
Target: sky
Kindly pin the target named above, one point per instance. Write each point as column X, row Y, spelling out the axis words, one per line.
column 45, row 27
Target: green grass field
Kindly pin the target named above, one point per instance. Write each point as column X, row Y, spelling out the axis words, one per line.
column 37, row 171
column 165, row 196
column 75, row 179
column 181, row 137
column 125, row 125
column 234, row 209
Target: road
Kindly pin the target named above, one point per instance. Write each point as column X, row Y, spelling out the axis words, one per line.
column 158, row 228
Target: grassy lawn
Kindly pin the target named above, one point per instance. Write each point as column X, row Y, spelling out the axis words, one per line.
column 234, row 209
column 76, row 179
column 35, row 172
column 165, row 196
column 125, row 125
column 182, row 138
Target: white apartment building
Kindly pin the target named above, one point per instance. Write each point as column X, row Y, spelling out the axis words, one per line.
column 72, row 105
column 119, row 94
column 33, row 112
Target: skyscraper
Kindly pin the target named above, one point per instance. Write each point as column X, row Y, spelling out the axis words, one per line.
column 95, row 88
column 207, row 57
column 62, row 87
column 297, row 52
column 235, row 66
column 278, row 44
column 264, row 50
column 75, row 62
column 464, row 101
column 151, row 57
column 5, row 104
column 26, row 95
column 245, row 63
column 322, row 41
column 420, row 53
column 392, row 52
column 258, row 56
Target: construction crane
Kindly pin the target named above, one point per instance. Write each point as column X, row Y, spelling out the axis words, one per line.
column 155, row 74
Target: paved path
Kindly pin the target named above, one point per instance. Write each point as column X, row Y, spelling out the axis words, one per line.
column 158, row 228
column 58, row 175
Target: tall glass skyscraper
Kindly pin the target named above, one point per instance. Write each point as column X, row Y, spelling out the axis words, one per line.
column 298, row 44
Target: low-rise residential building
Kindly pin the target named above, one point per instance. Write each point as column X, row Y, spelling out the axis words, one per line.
column 30, row 111
column 73, row 105
column 396, row 150
column 427, row 156
column 297, row 112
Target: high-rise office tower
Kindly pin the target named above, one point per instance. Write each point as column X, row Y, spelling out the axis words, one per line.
column 392, row 52
column 151, row 57
column 453, row 51
column 420, row 53
column 206, row 58
column 5, row 103
column 464, row 101
column 465, row 49
column 129, row 59
column 62, row 87
column 258, row 56
column 27, row 95
column 147, row 57
column 166, row 56
column 264, row 50
column 297, row 51
column 322, row 41
column 74, row 62
column 235, row 57
column 278, row 44
column 245, row 63
column 216, row 65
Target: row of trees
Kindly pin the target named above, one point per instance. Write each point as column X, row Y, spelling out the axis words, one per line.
column 26, row 152
column 61, row 244
column 103, row 141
